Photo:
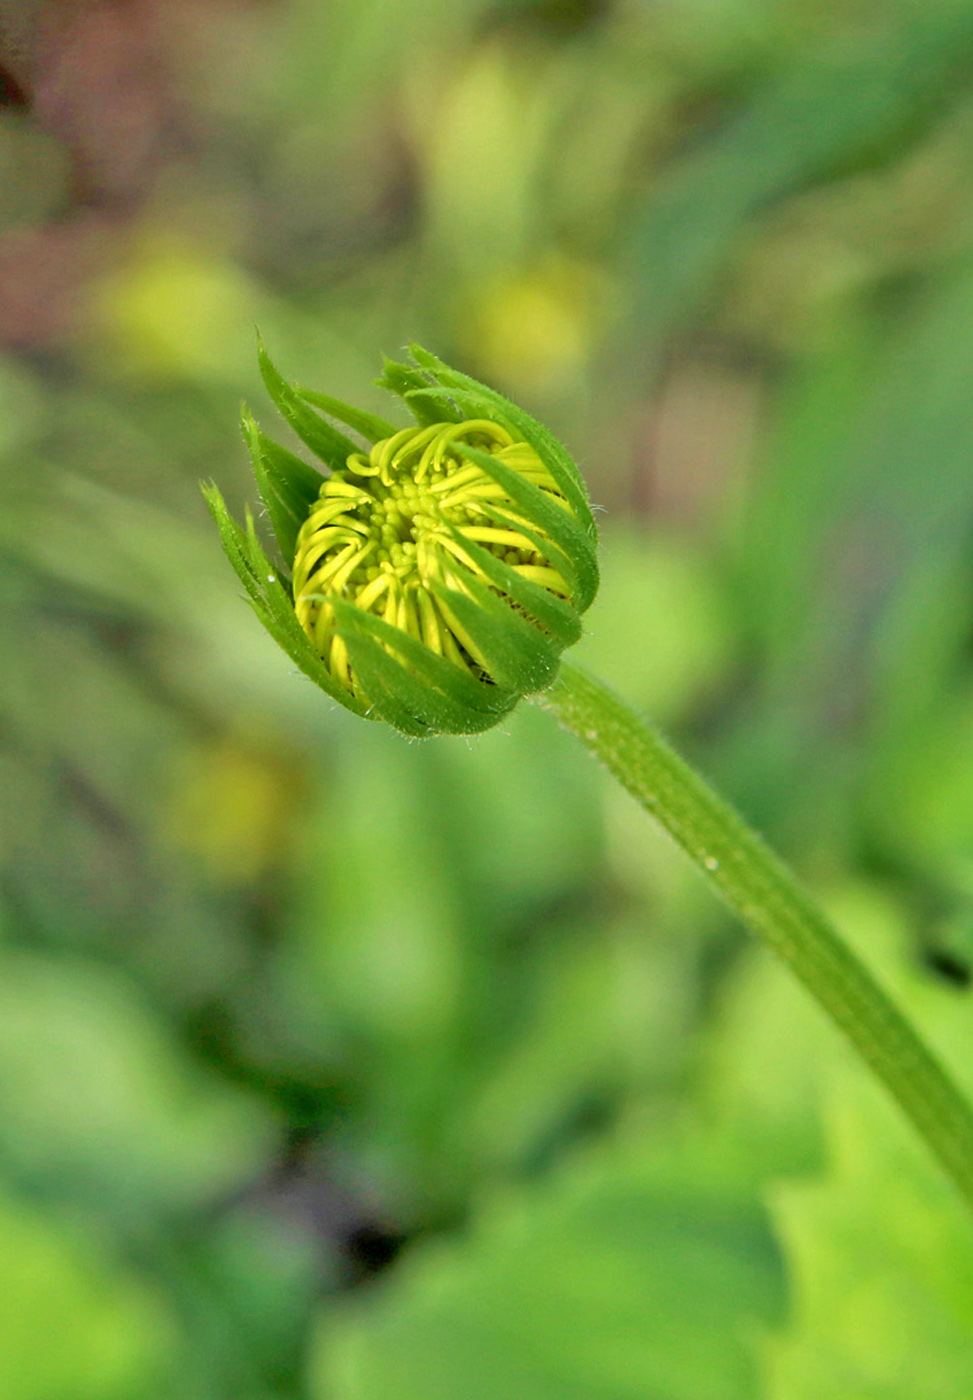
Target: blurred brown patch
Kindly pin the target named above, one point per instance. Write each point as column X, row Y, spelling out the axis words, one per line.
column 102, row 85
column 12, row 93
column 699, row 439
column 42, row 271
column 97, row 76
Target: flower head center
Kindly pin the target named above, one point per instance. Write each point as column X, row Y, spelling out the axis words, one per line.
column 396, row 526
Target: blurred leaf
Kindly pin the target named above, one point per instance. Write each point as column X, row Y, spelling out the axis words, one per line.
column 879, row 1246
column 269, row 1267
column 881, row 1251
column 921, row 800
column 74, row 1323
column 660, row 631
column 602, row 1014
column 764, row 1056
column 519, row 807
column 372, row 971
column 771, row 1052
column 799, row 496
column 433, row 879
column 852, row 539
column 34, row 173
column 632, row 1274
column 484, row 146
column 375, row 930
column 21, row 407
column 844, row 104
column 96, row 1099
column 173, row 309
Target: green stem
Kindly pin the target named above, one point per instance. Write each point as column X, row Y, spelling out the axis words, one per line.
column 771, row 901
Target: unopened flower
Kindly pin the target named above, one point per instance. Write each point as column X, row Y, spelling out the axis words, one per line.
column 436, row 573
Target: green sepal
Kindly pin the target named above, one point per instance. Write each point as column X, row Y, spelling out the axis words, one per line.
column 415, row 690
column 563, row 528
column 514, row 651
column 547, row 609
column 406, row 702
column 468, row 392
column 270, row 599
column 288, row 486
column 323, row 440
column 436, row 670
column 371, row 427
column 458, row 684
column 546, row 546
column 413, row 388
column 386, row 680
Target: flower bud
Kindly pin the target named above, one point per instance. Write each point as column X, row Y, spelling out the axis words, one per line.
column 435, row 573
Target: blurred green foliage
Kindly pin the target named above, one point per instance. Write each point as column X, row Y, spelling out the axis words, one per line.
column 341, row 1068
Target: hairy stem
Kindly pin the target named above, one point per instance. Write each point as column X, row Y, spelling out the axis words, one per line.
column 771, row 901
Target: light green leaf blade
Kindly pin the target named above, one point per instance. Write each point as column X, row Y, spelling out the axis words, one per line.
column 878, row 1247
column 881, row 1253
column 630, row 1278
column 74, row 1322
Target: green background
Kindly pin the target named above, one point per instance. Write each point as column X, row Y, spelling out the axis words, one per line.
column 336, row 1067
